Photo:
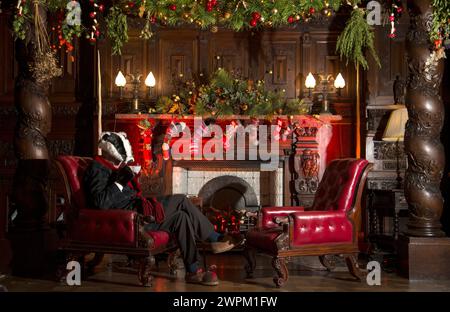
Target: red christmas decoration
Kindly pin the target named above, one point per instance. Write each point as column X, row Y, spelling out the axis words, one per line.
column 290, row 19
column 312, row 10
column 172, row 7
column 253, row 23
column 153, row 19
column 256, row 16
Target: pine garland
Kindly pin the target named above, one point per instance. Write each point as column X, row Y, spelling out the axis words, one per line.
column 116, row 22
column 226, row 94
column 234, row 14
column 355, row 38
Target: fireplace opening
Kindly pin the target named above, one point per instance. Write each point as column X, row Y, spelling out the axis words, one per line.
column 230, row 203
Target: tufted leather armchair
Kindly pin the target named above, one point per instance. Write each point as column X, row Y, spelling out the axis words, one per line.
column 106, row 231
column 329, row 227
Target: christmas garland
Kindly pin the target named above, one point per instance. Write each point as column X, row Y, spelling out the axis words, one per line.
column 227, row 94
column 209, row 14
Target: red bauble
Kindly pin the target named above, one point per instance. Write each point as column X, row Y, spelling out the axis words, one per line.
column 253, row 22
column 290, row 19
column 209, row 7
column 92, row 15
column 256, row 16
column 312, row 10
column 172, row 7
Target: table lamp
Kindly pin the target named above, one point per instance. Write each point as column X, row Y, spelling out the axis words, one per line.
column 395, row 132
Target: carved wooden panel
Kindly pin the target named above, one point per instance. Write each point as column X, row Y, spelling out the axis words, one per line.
column 228, row 50
column 177, row 57
column 279, row 61
column 393, row 62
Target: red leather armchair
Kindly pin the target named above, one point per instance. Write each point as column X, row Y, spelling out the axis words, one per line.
column 329, row 227
column 106, row 231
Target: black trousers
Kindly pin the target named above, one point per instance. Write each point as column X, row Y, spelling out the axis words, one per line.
column 187, row 222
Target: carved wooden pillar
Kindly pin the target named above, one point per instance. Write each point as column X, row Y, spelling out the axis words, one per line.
column 306, row 163
column 425, row 152
column 30, row 235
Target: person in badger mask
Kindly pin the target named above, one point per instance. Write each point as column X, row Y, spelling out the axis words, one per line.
column 110, row 183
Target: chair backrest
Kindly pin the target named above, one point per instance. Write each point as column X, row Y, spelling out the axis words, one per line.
column 74, row 168
column 338, row 188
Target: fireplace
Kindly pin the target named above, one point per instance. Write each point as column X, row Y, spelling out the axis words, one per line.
column 305, row 145
column 234, row 194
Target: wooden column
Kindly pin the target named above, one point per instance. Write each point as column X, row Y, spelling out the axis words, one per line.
column 30, row 235
column 425, row 152
column 423, row 252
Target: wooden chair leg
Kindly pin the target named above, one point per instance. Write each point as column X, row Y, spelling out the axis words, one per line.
column 279, row 264
column 145, row 265
column 353, row 267
column 250, row 255
column 172, row 262
column 328, row 261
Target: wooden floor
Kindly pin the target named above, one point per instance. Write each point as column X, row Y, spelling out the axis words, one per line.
column 306, row 275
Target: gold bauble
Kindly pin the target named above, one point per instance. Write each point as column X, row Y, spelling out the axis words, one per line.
column 274, row 11
column 214, row 29
column 227, row 15
column 244, row 107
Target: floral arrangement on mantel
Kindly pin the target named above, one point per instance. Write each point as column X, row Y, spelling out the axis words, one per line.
column 227, row 94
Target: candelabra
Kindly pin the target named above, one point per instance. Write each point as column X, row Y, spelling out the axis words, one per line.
column 150, row 82
column 327, row 85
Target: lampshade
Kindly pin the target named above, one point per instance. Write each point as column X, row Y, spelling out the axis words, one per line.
column 120, row 80
column 395, row 129
column 150, row 81
column 339, row 82
column 310, row 82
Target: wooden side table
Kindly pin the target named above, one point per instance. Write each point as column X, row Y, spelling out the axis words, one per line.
column 384, row 203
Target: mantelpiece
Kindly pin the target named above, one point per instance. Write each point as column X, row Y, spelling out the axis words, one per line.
column 302, row 155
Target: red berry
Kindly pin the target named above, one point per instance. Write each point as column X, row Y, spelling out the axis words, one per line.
column 101, row 7
column 290, row 19
column 213, row 2
column 312, row 10
column 92, row 40
column 131, row 4
column 399, row 10
column 97, row 33
column 256, row 15
column 172, row 7
column 153, row 19
column 253, row 23
column 392, row 35
column 391, row 18
column 92, row 15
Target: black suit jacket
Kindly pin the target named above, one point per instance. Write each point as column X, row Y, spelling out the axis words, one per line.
column 102, row 192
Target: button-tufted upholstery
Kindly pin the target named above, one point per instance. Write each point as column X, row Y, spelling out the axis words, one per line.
column 111, row 227
column 337, row 189
column 329, row 227
column 327, row 220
